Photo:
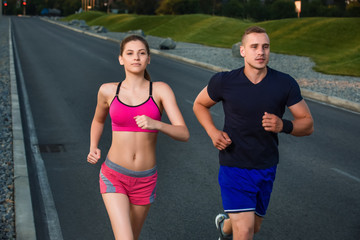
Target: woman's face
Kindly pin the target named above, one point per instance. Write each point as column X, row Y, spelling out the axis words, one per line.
column 134, row 57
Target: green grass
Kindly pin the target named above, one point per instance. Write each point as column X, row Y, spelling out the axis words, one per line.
column 332, row 43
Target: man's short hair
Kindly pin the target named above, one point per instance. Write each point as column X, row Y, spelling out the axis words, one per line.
column 252, row 29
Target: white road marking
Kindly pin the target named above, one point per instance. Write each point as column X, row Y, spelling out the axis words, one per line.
column 346, row 174
column 51, row 216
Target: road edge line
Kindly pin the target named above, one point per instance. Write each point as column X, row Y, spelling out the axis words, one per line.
column 24, row 217
column 51, row 216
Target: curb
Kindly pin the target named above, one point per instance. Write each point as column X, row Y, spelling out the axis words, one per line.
column 320, row 97
column 334, row 101
column 49, row 210
column 24, row 218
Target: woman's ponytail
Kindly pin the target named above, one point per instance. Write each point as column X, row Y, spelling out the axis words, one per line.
column 147, row 75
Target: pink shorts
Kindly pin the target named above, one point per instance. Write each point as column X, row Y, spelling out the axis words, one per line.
column 139, row 186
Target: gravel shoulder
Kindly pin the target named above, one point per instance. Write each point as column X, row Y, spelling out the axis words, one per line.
column 7, row 211
column 341, row 91
column 301, row 68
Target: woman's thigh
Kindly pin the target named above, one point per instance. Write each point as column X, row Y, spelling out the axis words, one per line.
column 118, row 208
column 138, row 214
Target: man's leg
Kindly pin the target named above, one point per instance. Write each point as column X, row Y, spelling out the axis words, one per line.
column 241, row 198
column 228, row 228
column 243, row 225
column 258, row 221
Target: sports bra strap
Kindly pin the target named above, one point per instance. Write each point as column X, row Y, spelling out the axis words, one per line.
column 118, row 89
column 150, row 90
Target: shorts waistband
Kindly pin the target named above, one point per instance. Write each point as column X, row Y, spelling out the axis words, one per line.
column 128, row 172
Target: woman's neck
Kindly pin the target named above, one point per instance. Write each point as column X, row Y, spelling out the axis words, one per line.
column 134, row 82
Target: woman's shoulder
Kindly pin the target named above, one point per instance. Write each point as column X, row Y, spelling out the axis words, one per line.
column 161, row 86
column 108, row 89
column 162, row 90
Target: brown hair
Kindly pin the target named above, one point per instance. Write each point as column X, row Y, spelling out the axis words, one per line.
column 253, row 29
column 136, row 38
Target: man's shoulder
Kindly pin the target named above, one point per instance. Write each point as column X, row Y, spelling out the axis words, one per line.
column 235, row 73
column 278, row 74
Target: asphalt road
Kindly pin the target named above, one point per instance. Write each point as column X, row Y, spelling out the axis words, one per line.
column 316, row 194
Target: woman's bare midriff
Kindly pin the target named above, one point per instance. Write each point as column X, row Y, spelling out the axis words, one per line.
column 133, row 150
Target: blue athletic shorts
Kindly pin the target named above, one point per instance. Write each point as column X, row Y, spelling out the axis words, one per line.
column 245, row 190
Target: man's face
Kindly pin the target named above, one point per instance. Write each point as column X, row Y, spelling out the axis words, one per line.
column 255, row 50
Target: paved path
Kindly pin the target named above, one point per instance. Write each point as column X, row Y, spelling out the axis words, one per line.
column 341, row 91
column 278, row 199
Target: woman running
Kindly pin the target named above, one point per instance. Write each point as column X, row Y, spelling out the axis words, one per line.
column 128, row 175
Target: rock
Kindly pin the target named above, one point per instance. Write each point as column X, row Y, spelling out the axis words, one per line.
column 74, row 22
column 167, row 44
column 95, row 27
column 101, row 29
column 83, row 24
column 137, row 32
column 236, row 50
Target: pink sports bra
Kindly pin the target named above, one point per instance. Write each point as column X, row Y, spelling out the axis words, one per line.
column 122, row 115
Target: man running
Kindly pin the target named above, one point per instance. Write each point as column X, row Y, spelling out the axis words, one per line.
column 254, row 98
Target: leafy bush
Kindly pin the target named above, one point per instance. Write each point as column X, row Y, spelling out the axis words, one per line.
column 174, row 7
column 256, row 10
column 353, row 9
column 234, row 8
column 282, row 9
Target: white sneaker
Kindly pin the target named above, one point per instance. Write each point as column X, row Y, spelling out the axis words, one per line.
column 219, row 222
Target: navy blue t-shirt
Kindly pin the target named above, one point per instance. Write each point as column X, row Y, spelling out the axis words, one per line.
column 244, row 105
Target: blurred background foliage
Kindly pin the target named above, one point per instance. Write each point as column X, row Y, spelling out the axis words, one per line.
column 253, row 10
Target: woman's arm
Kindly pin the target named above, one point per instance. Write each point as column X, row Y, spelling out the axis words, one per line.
column 177, row 129
column 97, row 125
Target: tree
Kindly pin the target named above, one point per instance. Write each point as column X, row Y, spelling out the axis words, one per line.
column 233, row 8
column 142, row 6
column 255, row 10
column 178, row 7
column 341, row 4
column 282, row 9
column 69, row 6
column 353, row 8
